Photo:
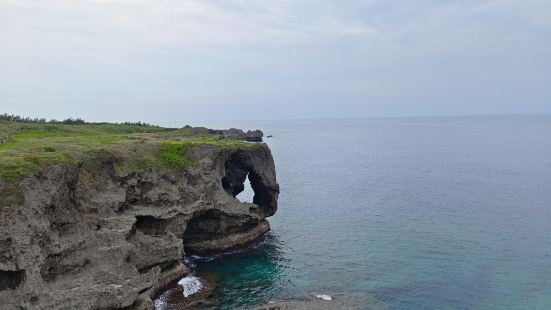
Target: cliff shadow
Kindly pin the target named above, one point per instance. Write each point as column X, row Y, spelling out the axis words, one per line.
column 10, row 280
column 239, row 168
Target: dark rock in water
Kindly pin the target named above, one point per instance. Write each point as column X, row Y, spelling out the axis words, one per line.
column 83, row 236
column 174, row 299
column 339, row 301
column 213, row 244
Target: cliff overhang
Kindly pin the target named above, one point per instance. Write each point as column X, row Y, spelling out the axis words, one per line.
column 99, row 232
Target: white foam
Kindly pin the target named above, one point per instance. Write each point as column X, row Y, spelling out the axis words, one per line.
column 160, row 302
column 191, row 285
column 190, row 261
column 324, row 297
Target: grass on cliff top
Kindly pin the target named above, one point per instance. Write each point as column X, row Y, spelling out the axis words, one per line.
column 27, row 147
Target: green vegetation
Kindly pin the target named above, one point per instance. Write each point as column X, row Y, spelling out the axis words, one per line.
column 22, row 119
column 174, row 155
column 30, row 145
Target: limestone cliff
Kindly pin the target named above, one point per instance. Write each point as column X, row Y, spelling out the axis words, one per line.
column 86, row 236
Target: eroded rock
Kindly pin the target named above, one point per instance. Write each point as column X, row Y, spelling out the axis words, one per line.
column 238, row 134
column 232, row 133
column 83, row 237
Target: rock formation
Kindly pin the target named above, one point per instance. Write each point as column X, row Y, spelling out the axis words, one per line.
column 83, row 236
column 232, row 133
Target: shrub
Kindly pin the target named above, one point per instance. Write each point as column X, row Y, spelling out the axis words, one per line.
column 5, row 138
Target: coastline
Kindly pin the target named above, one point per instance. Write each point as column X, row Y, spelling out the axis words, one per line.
column 107, row 223
column 320, row 302
column 170, row 295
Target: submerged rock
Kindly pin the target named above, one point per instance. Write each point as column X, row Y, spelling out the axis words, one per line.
column 176, row 298
column 190, row 284
column 326, row 302
column 84, row 237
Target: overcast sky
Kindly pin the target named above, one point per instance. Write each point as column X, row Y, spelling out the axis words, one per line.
column 177, row 60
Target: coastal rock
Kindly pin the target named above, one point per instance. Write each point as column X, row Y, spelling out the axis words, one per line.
column 232, row 133
column 82, row 236
column 174, row 299
column 339, row 301
column 238, row 134
column 224, row 242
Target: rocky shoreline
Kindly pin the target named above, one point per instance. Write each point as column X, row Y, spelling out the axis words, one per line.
column 86, row 236
column 172, row 296
column 326, row 302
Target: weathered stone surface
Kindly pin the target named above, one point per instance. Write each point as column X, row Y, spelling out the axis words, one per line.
column 174, row 299
column 232, row 133
column 84, row 237
column 213, row 244
column 238, row 134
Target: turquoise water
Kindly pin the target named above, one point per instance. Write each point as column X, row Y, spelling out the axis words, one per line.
column 418, row 213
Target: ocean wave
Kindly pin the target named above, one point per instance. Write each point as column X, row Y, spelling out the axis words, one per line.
column 324, row 297
column 160, row 303
column 191, row 285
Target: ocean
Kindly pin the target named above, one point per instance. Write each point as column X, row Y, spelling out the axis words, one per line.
column 415, row 213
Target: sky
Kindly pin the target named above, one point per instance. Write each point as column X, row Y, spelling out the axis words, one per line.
column 178, row 60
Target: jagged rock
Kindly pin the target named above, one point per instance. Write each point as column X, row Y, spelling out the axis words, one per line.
column 238, row 134
column 84, row 237
column 231, row 134
column 202, row 299
column 211, row 243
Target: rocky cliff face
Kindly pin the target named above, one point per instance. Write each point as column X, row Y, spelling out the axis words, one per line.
column 83, row 236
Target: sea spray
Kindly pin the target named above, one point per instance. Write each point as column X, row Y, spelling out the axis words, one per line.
column 324, row 297
column 160, row 303
column 191, row 285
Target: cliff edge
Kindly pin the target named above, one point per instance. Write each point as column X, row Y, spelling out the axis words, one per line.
column 105, row 226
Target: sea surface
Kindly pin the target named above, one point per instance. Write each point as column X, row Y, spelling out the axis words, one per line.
column 416, row 213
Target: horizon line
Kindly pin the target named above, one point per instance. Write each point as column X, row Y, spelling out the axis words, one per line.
column 359, row 118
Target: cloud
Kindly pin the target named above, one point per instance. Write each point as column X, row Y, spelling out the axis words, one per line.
column 309, row 58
